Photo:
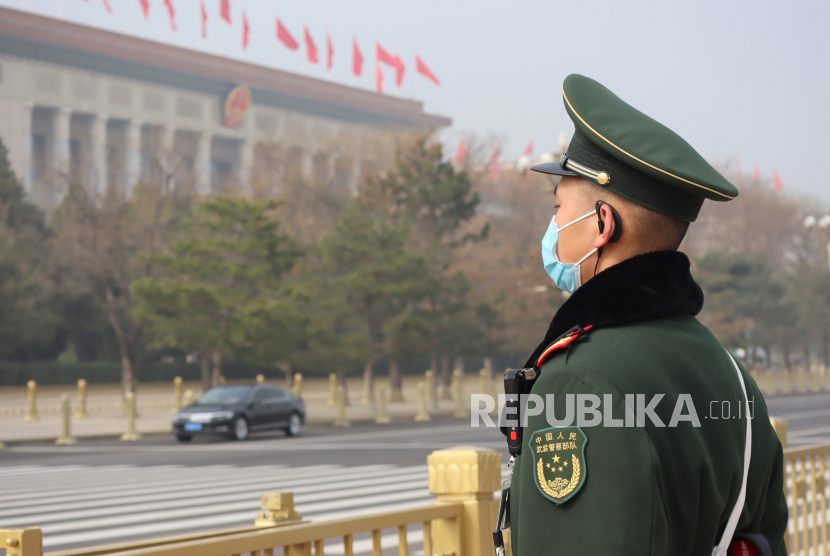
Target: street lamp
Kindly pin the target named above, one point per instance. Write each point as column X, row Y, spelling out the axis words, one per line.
column 823, row 223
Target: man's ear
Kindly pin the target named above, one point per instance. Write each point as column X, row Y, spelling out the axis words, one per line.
column 608, row 228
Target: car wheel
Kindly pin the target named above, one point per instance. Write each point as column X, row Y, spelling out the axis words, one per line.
column 182, row 438
column 295, row 425
column 240, row 428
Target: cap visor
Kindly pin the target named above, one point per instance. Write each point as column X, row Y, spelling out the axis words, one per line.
column 553, row 168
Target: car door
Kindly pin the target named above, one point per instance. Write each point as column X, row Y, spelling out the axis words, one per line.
column 279, row 407
column 258, row 411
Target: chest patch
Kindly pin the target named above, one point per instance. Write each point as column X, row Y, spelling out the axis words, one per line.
column 559, row 462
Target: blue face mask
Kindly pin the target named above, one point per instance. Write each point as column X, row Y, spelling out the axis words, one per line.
column 566, row 276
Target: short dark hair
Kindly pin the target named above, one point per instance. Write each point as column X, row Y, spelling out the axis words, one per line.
column 654, row 231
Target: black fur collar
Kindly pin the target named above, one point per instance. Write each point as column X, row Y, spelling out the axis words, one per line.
column 647, row 286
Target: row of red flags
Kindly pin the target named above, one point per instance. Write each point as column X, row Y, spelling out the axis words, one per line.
column 284, row 36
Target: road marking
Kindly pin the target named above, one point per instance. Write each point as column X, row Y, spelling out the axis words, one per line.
column 164, row 502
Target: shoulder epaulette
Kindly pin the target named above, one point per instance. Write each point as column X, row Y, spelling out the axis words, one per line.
column 562, row 342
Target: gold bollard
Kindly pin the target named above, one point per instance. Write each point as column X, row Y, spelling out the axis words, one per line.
column 341, row 408
column 297, row 391
column 430, row 392
column 460, row 410
column 332, row 389
column 423, row 414
column 188, row 397
column 31, row 412
column 383, row 415
column 81, row 414
column 260, row 379
column 482, row 377
column 367, row 389
column 221, row 380
column 780, row 428
column 130, row 435
column 66, row 414
column 177, row 394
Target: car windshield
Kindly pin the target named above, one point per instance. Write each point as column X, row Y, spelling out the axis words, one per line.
column 224, row 395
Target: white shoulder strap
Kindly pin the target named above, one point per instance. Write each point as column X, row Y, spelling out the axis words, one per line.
column 723, row 545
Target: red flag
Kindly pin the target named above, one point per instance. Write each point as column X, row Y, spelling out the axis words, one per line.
column 395, row 61
column 225, row 10
column 310, row 46
column 246, row 31
column 494, row 163
column 778, row 185
column 171, row 12
column 461, row 153
column 285, row 37
column 329, row 52
column 107, row 6
column 357, row 59
column 204, row 20
column 378, row 78
column 422, row 68
column 756, row 175
column 145, row 7
column 529, row 148
column 739, row 180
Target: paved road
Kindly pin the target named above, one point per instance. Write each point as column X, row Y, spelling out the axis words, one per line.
column 102, row 491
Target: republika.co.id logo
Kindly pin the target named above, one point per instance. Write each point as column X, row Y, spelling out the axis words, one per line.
column 591, row 410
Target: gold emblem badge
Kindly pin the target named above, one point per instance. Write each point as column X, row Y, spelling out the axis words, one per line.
column 559, row 461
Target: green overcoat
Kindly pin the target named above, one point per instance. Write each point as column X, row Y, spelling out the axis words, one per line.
column 656, row 477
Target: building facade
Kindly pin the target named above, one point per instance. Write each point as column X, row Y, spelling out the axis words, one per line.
column 83, row 105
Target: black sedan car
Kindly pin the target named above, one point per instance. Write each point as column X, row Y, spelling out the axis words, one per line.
column 236, row 411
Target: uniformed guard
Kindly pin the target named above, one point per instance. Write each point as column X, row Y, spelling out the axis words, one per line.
column 637, row 440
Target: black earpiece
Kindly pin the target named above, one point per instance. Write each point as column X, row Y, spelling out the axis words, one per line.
column 617, row 221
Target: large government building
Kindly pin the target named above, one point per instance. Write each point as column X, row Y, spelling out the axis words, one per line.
column 82, row 105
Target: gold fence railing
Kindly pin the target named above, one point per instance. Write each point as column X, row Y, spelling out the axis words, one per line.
column 806, row 486
column 799, row 380
column 459, row 522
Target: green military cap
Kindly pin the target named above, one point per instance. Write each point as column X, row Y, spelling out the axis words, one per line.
column 623, row 150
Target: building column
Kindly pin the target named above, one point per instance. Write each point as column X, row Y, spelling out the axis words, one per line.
column 60, row 142
column 167, row 145
column 132, row 156
column 246, row 164
column 28, row 156
column 98, row 141
column 203, row 158
column 307, row 164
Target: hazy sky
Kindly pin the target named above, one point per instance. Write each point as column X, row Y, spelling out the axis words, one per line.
column 748, row 79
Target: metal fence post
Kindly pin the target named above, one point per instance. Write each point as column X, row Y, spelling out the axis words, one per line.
column 66, row 414
column 383, row 416
column 31, row 412
column 22, row 542
column 177, row 394
column 470, row 476
column 130, row 435
column 482, row 377
column 188, row 397
column 423, row 414
column 81, row 413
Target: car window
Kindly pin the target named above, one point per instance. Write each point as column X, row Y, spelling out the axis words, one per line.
column 262, row 394
column 277, row 393
column 224, row 395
